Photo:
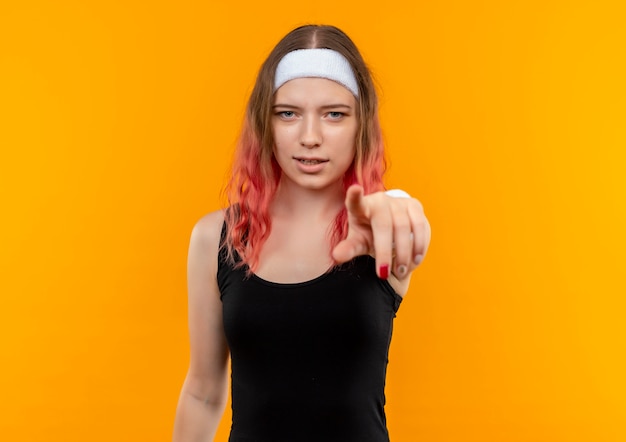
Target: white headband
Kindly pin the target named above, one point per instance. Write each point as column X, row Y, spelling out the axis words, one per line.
column 316, row 63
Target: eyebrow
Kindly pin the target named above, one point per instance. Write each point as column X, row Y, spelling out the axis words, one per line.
column 326, row 106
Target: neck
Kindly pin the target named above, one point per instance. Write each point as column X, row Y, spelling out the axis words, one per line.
column 308, row 204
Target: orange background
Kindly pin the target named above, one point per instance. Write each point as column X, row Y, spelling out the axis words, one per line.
column 507, row 119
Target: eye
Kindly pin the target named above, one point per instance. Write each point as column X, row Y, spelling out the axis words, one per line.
column 334, row 115
column 287, row 115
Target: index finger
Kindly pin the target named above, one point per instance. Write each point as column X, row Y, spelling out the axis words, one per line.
column 354, row 201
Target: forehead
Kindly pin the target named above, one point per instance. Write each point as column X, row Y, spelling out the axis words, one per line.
column 313, row 91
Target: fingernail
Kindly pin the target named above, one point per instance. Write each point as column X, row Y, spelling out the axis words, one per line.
column 384, row 271
column 401, row 270
column 418, row 259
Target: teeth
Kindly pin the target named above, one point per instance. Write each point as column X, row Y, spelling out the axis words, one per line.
column 310, row 161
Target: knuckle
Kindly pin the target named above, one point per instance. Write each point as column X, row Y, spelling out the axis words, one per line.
column 382, row 224
column 419, row 225
column 403, row 224
column 416, row 204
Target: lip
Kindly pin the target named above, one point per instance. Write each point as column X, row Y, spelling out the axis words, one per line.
column 310, row 168
column 321, row 160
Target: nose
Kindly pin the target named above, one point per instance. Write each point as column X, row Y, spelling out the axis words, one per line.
column 311, row 135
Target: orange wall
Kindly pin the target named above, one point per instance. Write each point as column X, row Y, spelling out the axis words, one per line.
column 507, row 119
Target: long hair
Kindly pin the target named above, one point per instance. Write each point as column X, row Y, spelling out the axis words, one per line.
column 256, row 174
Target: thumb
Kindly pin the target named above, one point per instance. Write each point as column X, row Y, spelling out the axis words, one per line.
column 349, row 248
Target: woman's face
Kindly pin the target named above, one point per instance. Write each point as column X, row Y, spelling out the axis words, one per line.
column 314, row 124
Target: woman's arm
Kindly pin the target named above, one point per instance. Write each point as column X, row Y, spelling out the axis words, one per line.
column 205, row 390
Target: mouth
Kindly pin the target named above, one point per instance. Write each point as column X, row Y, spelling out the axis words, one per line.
column 310, row 161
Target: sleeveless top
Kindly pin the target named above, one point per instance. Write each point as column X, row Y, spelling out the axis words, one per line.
column 309, row 359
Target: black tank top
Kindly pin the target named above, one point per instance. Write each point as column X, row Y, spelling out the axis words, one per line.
column 308, row 359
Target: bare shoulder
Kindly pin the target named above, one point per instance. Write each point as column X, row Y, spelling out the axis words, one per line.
column 207, row 229
column 204, row 246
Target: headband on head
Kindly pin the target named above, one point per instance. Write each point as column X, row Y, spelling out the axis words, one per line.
column 316, row 63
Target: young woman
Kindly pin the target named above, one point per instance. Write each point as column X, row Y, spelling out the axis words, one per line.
column 299, row 280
